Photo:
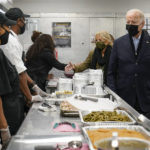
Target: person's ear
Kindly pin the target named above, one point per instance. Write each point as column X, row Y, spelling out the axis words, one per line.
column 19, row 21
column 143, row 23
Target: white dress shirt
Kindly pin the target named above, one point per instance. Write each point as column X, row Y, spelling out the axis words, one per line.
column 13, row 51
column 136, row 42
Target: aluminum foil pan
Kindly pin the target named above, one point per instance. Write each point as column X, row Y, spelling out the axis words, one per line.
column 67, row 110
column 83, row 113
column 137, row 128
column 124, row 144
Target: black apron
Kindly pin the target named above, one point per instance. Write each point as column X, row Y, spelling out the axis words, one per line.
column 13, row 101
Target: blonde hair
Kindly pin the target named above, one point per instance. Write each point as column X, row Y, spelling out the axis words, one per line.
column 138, row 12
column 106, row 37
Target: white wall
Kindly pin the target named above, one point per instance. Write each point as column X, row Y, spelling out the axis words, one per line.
column 90, row 15
column 80, row 41
column 83, row 30
column 81, row 6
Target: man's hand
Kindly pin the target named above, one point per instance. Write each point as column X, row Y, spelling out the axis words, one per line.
column 39, row 91
column 69, row 67
column 37, row 98
column 5, row 136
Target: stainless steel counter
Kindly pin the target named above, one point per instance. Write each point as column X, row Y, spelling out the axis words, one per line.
column 30, row 142
column 37, row 127
column 141, row 119
column 37, row 130
column 39, row 123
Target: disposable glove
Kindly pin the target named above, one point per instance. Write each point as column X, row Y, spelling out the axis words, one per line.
column 5, row 136
column 37, row 98
column 39, row 91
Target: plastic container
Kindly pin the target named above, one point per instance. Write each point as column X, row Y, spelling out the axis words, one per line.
column 96, row 76
column 64, row 84
column 79, row 81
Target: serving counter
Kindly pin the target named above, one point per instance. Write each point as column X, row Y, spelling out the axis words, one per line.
column 37, row 127
column 37, row 130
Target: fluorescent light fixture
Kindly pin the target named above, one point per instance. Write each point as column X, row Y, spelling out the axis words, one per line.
column 6, row 1
column 2, row 11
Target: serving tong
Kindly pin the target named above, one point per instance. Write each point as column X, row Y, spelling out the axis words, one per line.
column 45, row 104
column 85, row 98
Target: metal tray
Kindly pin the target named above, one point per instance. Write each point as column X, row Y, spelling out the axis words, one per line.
column 83, row 113
column 67, row 113
column 129, row 127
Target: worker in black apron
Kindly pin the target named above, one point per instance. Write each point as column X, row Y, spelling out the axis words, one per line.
column 11, row 99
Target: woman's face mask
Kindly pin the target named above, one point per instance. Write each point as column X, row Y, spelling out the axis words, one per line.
column 100, row 45
column 4, row 38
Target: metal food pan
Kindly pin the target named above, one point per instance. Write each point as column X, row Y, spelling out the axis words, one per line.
column 69, row 113
column 83, row 113
column 137, row 128
column 124, row 144
column 99, row 96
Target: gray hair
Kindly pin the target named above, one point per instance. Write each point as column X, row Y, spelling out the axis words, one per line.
column 138, row 12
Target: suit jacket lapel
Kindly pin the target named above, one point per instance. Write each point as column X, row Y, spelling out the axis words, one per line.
column 143, row 44
column 130, row 47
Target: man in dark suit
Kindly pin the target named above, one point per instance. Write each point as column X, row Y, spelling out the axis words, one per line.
column 129, row 65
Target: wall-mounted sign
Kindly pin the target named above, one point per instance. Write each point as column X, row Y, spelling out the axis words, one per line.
column 61, row 32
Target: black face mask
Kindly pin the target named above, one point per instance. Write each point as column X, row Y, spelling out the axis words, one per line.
column 132, row 29
column 22, row 29
column 4, row 38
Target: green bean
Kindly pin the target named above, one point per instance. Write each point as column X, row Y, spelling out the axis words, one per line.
column 105, row 116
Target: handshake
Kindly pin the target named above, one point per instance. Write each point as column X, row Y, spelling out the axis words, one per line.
column 69, row 70
column 40, row 93
column 69, row 67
